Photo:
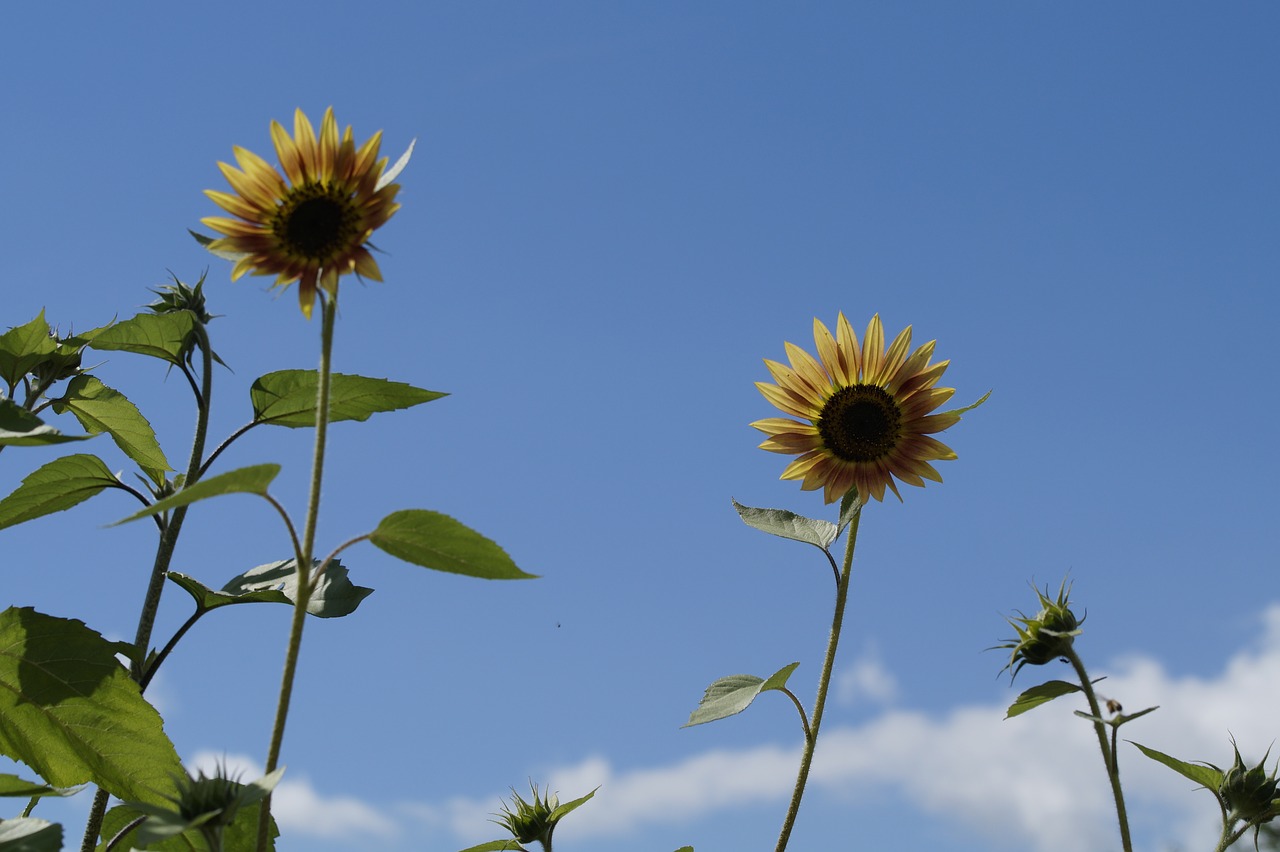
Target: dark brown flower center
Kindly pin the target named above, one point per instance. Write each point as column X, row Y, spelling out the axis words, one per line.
column 860, row 423
column 317, row 222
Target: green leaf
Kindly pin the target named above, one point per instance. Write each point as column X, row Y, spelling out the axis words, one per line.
column 1205, row 776
column 207, row 599
column 288, row 397
column 786, row 524
column 23, row 348
column 685, row 849
column 437, row 541
column 240, row 836
column 971, row 406
column 1037, row 695
column 243, row 480
column 334, row 596
column 103, row 409
column 54, row 487
column 850, row 506
column 731, row 695
column 497, row 846
column 569, row 807
column 28, row 834
column 163, row 336
column 72, row 713
column 12, row 785
column 21, row 428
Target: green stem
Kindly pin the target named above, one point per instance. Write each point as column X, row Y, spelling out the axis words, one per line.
column 1108, row 757
column 329, row 310
column 160, row 567
column 824, row 682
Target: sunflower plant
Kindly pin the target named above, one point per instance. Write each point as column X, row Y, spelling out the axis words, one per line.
column 862, row 419
column 69, row 710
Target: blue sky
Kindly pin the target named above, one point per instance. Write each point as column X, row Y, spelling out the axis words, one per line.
column 614, row 212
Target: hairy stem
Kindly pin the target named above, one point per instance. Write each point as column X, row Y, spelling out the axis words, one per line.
column 169, row 533
column 1108, row 756
column 824, row 682
column 329, row 310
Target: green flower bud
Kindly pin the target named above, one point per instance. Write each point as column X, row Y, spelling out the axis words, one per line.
column 1048, row 635
column 181, row 297
column 1248, row 793
column 530, row 821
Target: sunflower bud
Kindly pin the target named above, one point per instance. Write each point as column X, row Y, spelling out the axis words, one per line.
column 181, row 297
column 529, row 821
column 1048, row 635
column 1248, row 793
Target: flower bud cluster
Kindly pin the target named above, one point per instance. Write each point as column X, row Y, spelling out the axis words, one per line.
column 1046, row 636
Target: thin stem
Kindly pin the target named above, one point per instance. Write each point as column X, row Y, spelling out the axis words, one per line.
column 226, row 443
column 168, row 648
column 804, row 717
column 824, row 682
column 1108, row 756
column 328, row 312
column 160, row 567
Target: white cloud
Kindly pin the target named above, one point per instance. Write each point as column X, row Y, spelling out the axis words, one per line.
column 867, row 680
column 1033, row 782
column 300, row 810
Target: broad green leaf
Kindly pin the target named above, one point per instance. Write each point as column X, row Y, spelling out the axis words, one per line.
column 163, row 336
column 240, row 836
column 72, row 713
column 21, row 428
column 23, row 348
column 786, row 524
column 1037, row 695
column 497, row 846
column 28, row 834
column 731, row 695
column 12, row 785
column 437, row 541
column 103, row 409
column 334, row 596
column 288, row 397
column 243, row 480
column 1205, row 776
column 58, row 485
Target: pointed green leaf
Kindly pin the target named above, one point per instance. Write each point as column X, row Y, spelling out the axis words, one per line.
column 72, row 713
column 497, row 846
column 22, row 348
column 786, row 524
column 1122, row 718
column 243, row 480
column 1205, row 776
column 1037, row 695
column 288, row 397
column 971, row 406
column 569, row 807
column 21, row 428
column 437, row 541
column 12, row 785
column 207, row 599
column 28, row 834
column 850, row 506
column 163, row 336
column 731, row 695
column 334, row 596
column 58, row 485
column 103, row 409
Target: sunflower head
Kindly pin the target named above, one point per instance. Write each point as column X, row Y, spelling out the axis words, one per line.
column 864, row 413
column 1249, row 793
column 311, row 225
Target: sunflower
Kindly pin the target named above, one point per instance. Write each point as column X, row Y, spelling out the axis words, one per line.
column 315, row 226
column 864, row 412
